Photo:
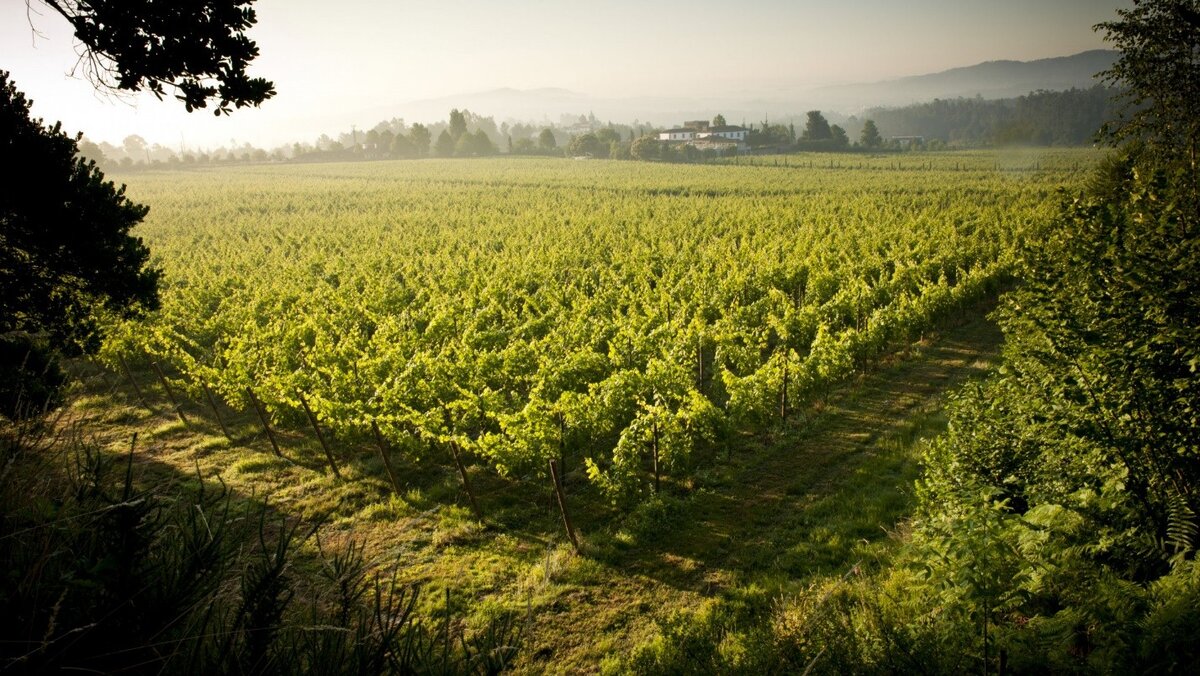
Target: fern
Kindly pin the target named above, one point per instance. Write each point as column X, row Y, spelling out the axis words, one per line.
column 1181, row 528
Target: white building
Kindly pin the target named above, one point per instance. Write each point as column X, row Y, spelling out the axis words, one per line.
column 728, row 131
column 680, row 134
column 694, row 132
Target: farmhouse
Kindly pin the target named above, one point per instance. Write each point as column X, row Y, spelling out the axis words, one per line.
column 703, row 135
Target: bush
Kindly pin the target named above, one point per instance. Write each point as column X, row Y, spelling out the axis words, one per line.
column 98, row 574
column 31, row 381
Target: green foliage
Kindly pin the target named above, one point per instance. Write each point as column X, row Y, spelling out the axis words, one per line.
column 445, row 145
column 646, row 148
column 420, row 137
column 458, row 125
column 816, row 128
column 838, row 136
column 588, row 145
column 870, row 137
column 33, row 381
column 1085, row 447
column 1159, row 74
column 475, row 145
column 66, row 253
column 101, row 574
column 1043, row 118
column 199, row 49
column 456, row 304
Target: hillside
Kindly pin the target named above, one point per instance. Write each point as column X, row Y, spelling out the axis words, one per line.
column 989, row 80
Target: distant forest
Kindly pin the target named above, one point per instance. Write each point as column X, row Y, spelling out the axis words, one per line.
column 1064, row 118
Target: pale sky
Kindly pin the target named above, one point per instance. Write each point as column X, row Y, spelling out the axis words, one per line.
column 357, row 61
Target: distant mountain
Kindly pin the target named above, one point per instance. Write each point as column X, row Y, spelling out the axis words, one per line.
column 989, row 80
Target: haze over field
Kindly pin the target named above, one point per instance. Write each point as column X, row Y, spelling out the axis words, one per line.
column 360, row 62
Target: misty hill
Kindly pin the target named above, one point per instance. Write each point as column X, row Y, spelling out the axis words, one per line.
column 989, row 80
column 1060, row 118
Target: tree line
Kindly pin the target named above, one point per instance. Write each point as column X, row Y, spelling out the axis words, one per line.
column 1043, row 118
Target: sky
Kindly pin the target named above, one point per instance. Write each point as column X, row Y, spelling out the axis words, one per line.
column 356, row 62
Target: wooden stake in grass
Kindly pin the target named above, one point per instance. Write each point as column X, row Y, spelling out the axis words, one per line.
column 387, row 461
column 212, row 401
column 262, row 415
column 132, row 381
column 170, row 395
column 562, row 438
column 562, row 504
column 320, row 436
column 783, row 393
column 462, row 471
column 654, row 450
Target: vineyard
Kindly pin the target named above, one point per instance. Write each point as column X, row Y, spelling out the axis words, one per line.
column 625, row 318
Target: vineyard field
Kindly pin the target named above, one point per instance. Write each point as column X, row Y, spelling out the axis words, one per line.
column 726, row 361
column 627, row 315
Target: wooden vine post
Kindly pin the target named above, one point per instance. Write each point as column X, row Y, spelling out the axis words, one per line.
column 212, row 402
column 462, row 471
column 387, row 461
column 132, row 381
column 562, row 438
column 654, row 451
column 170, row 395
column 783, row 391
column 562, row 504
column 262, row 416
column 312, row 418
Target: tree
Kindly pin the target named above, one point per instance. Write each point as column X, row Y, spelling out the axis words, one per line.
column 458, row 124
column 67, row 254
column 587, row 144
column 608, row 135
column 817, row 127
column 646, row 148
column 420, row 137
column 197, row 49
column 91, row 151
column 1159, row 74
column 840, row 140
column 402, row 146
column 474, row 145
column 1086, row 440
column 444, row 146
column 719, row 120
column 135, row 147
column 483, row 143
column 870, row 138
column 546, row 140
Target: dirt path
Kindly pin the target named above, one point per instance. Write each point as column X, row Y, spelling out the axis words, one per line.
column 788, row 506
